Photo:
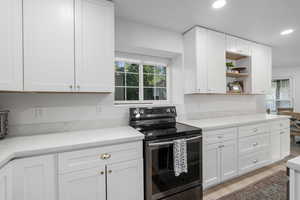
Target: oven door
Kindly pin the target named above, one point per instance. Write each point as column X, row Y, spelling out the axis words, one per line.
column 160, row 179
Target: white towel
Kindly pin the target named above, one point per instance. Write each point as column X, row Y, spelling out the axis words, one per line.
column 180, row 157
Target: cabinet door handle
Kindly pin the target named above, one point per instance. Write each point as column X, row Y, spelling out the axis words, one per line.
column 105, row 156
column 109, row 171
column 78, row 86
column 282, row 132
column 71, row 86
column 255, row 130
column 102, row 172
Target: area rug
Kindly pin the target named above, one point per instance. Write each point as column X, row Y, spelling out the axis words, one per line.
column 273, row 187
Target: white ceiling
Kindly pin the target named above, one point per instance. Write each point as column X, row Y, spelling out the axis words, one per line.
column 258, row 20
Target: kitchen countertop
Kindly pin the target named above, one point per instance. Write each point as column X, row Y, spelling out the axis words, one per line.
column 294, row 163
column 233, row 121
column 18, row 147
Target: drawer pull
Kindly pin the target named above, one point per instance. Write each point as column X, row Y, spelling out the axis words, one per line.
column 221, row 146
column 255, row 144
column 105, row 156
column 102, row 173
column 220, row 137
column 255, row 161
column 109, row 171
column 255, row 130
column 282, row 132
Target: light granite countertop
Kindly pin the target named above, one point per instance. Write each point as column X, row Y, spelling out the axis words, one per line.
column 233, row 121
column 18, row 147
column 294, row 163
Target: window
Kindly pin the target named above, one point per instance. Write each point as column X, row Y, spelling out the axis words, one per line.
column 281, row 95
column 139, row 81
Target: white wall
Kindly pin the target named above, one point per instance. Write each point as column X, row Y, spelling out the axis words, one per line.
column 294, row 73
column 48, row 113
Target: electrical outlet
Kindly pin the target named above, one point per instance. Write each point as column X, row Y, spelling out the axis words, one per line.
column 98, row 108
column 38, row 112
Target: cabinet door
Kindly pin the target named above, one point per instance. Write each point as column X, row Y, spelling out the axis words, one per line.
column 231, row 44
column 216, row 62
column 86, row 184
column 285, row 142
column 94, row 45
column 211, row 165
column 5, row 183
column 34, row 178
column 261, row 69
column 11, row 66
column 48, row 45
column 275, row 146
column 243, row 47
column 229, row 163
column 125, row 181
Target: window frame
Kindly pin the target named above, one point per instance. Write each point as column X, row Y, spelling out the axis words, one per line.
column 292, row 90
column 141, row 100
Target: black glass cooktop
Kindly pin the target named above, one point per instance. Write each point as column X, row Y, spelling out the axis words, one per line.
column 180, row 130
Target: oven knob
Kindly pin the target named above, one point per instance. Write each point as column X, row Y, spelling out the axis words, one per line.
column 142, row 111
column 173, row 110
column 168, row 110
column 135, row 112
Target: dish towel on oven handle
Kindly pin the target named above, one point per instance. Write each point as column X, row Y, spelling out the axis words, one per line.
column 180, row 157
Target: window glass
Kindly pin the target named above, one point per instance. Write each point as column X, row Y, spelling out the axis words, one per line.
column 129, row 88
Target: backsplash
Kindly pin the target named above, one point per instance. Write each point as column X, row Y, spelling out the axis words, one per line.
column 32, row 114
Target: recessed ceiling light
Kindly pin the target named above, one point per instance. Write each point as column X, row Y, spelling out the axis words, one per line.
column 287, row 32
column 219, row 4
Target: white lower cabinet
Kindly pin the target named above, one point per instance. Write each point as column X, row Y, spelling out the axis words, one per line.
column 5, row 183
column 125, row 181
column 229, row 165
column 86, row 184
column 220, row 162
column 106, row 173
column 34, row 178
column 275, row 146
column 108, row 182
column 211, row 165
column 285, row 143
column 233, row 152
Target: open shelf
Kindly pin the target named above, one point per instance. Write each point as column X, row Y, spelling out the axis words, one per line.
column 236, row 75
column 239, row 68
column 238, row 93
column 235, row 56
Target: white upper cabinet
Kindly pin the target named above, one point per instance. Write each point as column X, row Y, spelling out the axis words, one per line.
column 94, row 45
column 48, row 45
column 261, row 69
column 237, row 45
column 216, row 62
column 204, row 61
column 11, row 66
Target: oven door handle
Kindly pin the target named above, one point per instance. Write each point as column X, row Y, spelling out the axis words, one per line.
column 172, row 142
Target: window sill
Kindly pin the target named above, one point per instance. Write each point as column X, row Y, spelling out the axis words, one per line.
column 140, row 103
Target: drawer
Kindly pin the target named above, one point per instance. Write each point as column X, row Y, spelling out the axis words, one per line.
column 279, row 125
column 90, row 158
column 253, row 143
column 212, row 137
column 253, row 161
column 250, row 130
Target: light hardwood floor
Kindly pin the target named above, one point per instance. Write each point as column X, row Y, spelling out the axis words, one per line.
column 243, row 181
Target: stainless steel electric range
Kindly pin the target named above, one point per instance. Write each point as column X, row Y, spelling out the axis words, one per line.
column 160, row 128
